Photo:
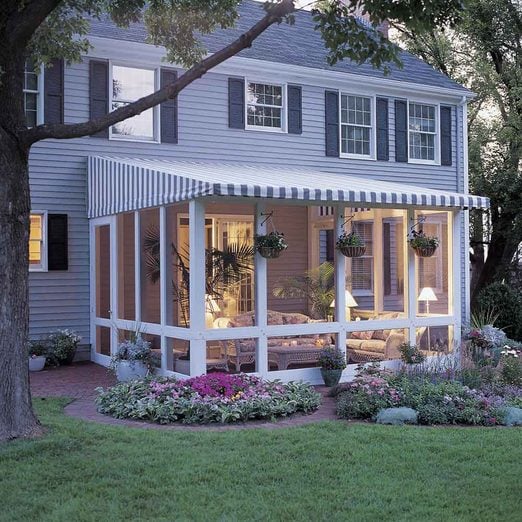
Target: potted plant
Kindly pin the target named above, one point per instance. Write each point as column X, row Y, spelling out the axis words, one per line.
column 411, row 354
column 133, row 359
column 332, row 362
column 350, row 244
column 37, row 351
column 423, row 245
column 271, row 245
column 62, row 346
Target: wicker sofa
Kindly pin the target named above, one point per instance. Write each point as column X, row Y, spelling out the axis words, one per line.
column 282, row 351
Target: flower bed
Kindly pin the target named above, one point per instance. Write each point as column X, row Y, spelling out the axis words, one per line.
column 212, row 398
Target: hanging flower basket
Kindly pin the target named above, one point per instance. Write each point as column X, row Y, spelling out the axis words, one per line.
column 270, row 246
column 424, row 246
column 350, row 245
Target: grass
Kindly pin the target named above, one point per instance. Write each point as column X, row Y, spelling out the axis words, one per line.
column 326, row 471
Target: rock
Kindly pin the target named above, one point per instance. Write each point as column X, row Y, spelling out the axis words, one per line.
column 397, row 416
column 513, row 416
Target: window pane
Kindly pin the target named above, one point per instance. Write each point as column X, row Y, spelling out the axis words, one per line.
column 140, row 126
column 263, row 94
column 126, row 267
column 129, row 84
column 264, row 116
column 422, row 146
column 355, row 140
column 35, row 240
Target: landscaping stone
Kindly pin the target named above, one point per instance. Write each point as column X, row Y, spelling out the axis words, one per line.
column 397, row 416
column 513, row 416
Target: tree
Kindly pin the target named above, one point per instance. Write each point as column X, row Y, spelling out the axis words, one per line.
column 484, row 51
column 44, row 29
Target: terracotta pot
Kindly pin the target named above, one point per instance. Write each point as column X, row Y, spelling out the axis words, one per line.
column 425, row 251
column 269, row 252
column 352, row 251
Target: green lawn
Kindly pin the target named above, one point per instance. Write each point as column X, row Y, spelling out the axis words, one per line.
column 325, row 471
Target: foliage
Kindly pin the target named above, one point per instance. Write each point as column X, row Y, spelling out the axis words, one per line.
column 418, row 239
column 37, row 348
column 349, row 239
column 134, row 350
column 274, row 240
column 411, row 354
column 62, row 345
column 316, row 286
column 397, row 416
column 331, row 358
column 211, row 398
column 511, row 366
column 506, row 303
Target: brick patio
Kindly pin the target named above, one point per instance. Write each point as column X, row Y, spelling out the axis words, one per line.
column 80, row 380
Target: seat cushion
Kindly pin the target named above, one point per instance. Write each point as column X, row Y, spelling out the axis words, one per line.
column 373, row 345
column 295, row 318
column 354, row 344
column 242, row 320
column 362, row 335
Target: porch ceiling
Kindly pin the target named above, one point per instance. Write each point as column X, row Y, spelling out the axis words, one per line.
column 124, row 184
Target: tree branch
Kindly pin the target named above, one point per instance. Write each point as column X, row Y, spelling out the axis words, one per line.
column 65, row 131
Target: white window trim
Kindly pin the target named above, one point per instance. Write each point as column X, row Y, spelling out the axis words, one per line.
column 435, row 161
column 42, row 267
column 284, row 107
column 155, row 110
column 40, row 95
column 373, row 129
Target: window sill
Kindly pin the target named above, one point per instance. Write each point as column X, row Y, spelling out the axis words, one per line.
column 423, row 162
column 357, row 156
column 135, row 140
column 265, row 129
column 38, row 269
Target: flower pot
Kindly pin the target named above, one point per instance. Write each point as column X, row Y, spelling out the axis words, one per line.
column 130, row 370
column 427, row 251
column 269, row 252
column 352, row 250
column 331, row 377
column 36, row 364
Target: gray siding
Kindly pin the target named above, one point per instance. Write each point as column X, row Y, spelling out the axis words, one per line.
column 58, row 174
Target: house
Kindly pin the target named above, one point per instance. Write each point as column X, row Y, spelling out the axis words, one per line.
column 149, row 226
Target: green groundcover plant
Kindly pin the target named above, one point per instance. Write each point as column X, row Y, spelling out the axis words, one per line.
column 211, row 398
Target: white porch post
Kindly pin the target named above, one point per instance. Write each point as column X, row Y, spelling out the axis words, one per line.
column 412, row 286
column 261, row 298
column 198, row 346
column 340, row 280
column 137, row 266
column 455, row 275
column 114, row 314
column 165, row 295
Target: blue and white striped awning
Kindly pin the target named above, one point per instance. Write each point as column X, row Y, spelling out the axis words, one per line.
column 124, row 184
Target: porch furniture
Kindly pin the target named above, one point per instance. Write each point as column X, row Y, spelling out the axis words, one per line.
column 284, row 356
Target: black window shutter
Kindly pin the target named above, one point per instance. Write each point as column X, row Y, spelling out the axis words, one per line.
column 331, row 123
column 383, row 152
column 168, row 110
column 295, row 109
column 53, row 92
column 57, row 242
column 236, row 103
column 445, row 136
column 401, row 131
column 99, row 92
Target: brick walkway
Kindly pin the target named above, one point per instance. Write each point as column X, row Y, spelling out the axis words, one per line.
column 80, row 380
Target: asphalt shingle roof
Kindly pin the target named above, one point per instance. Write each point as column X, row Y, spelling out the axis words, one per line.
column 297, row 44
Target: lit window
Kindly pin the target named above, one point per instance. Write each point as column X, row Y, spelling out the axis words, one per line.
column 37, row 242
column 356, row 125
column 128, row 85
column 31, row 94
column 422, row 129
column 362, row 267
column 265, row 106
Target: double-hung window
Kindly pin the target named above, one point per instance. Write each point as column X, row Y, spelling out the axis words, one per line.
column 422, row 125
column 362, row 267
column 128, row 85
column 31, row 94
column 37, row 246
column 265, row 107
column 356, row 126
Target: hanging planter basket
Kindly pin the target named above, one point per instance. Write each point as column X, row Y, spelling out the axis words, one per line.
column 426, row 251
column 352, row 250
column 269, row 252
column 271, row 245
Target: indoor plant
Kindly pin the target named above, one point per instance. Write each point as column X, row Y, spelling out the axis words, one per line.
column 133, row 359
column 350, row 244
column 423, row 245
column 62, row 346
column 271, row 245
column 37, row 351
column 332, row 362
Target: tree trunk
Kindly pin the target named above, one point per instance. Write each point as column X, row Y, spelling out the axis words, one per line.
column 16, row 414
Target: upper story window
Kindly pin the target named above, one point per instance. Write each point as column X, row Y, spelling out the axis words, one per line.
column 128, row 85
column 265, row 107
column 356, row 126
column 37, row 242
column 422, row 125
column 31, row 94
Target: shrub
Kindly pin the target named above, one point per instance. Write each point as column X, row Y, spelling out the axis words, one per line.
column 410, row 354
column 62, row 346
column 506, row 303
column 212, row 398
column 37, row 348
column 511, row 366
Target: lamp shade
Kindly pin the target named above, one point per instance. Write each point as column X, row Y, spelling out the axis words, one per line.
column 349, row 300
column 427, row 294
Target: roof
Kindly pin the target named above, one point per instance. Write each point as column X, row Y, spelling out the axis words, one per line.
column 123, row 184
column 298, row 44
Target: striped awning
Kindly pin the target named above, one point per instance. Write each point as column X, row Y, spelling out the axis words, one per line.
column 124, row 184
